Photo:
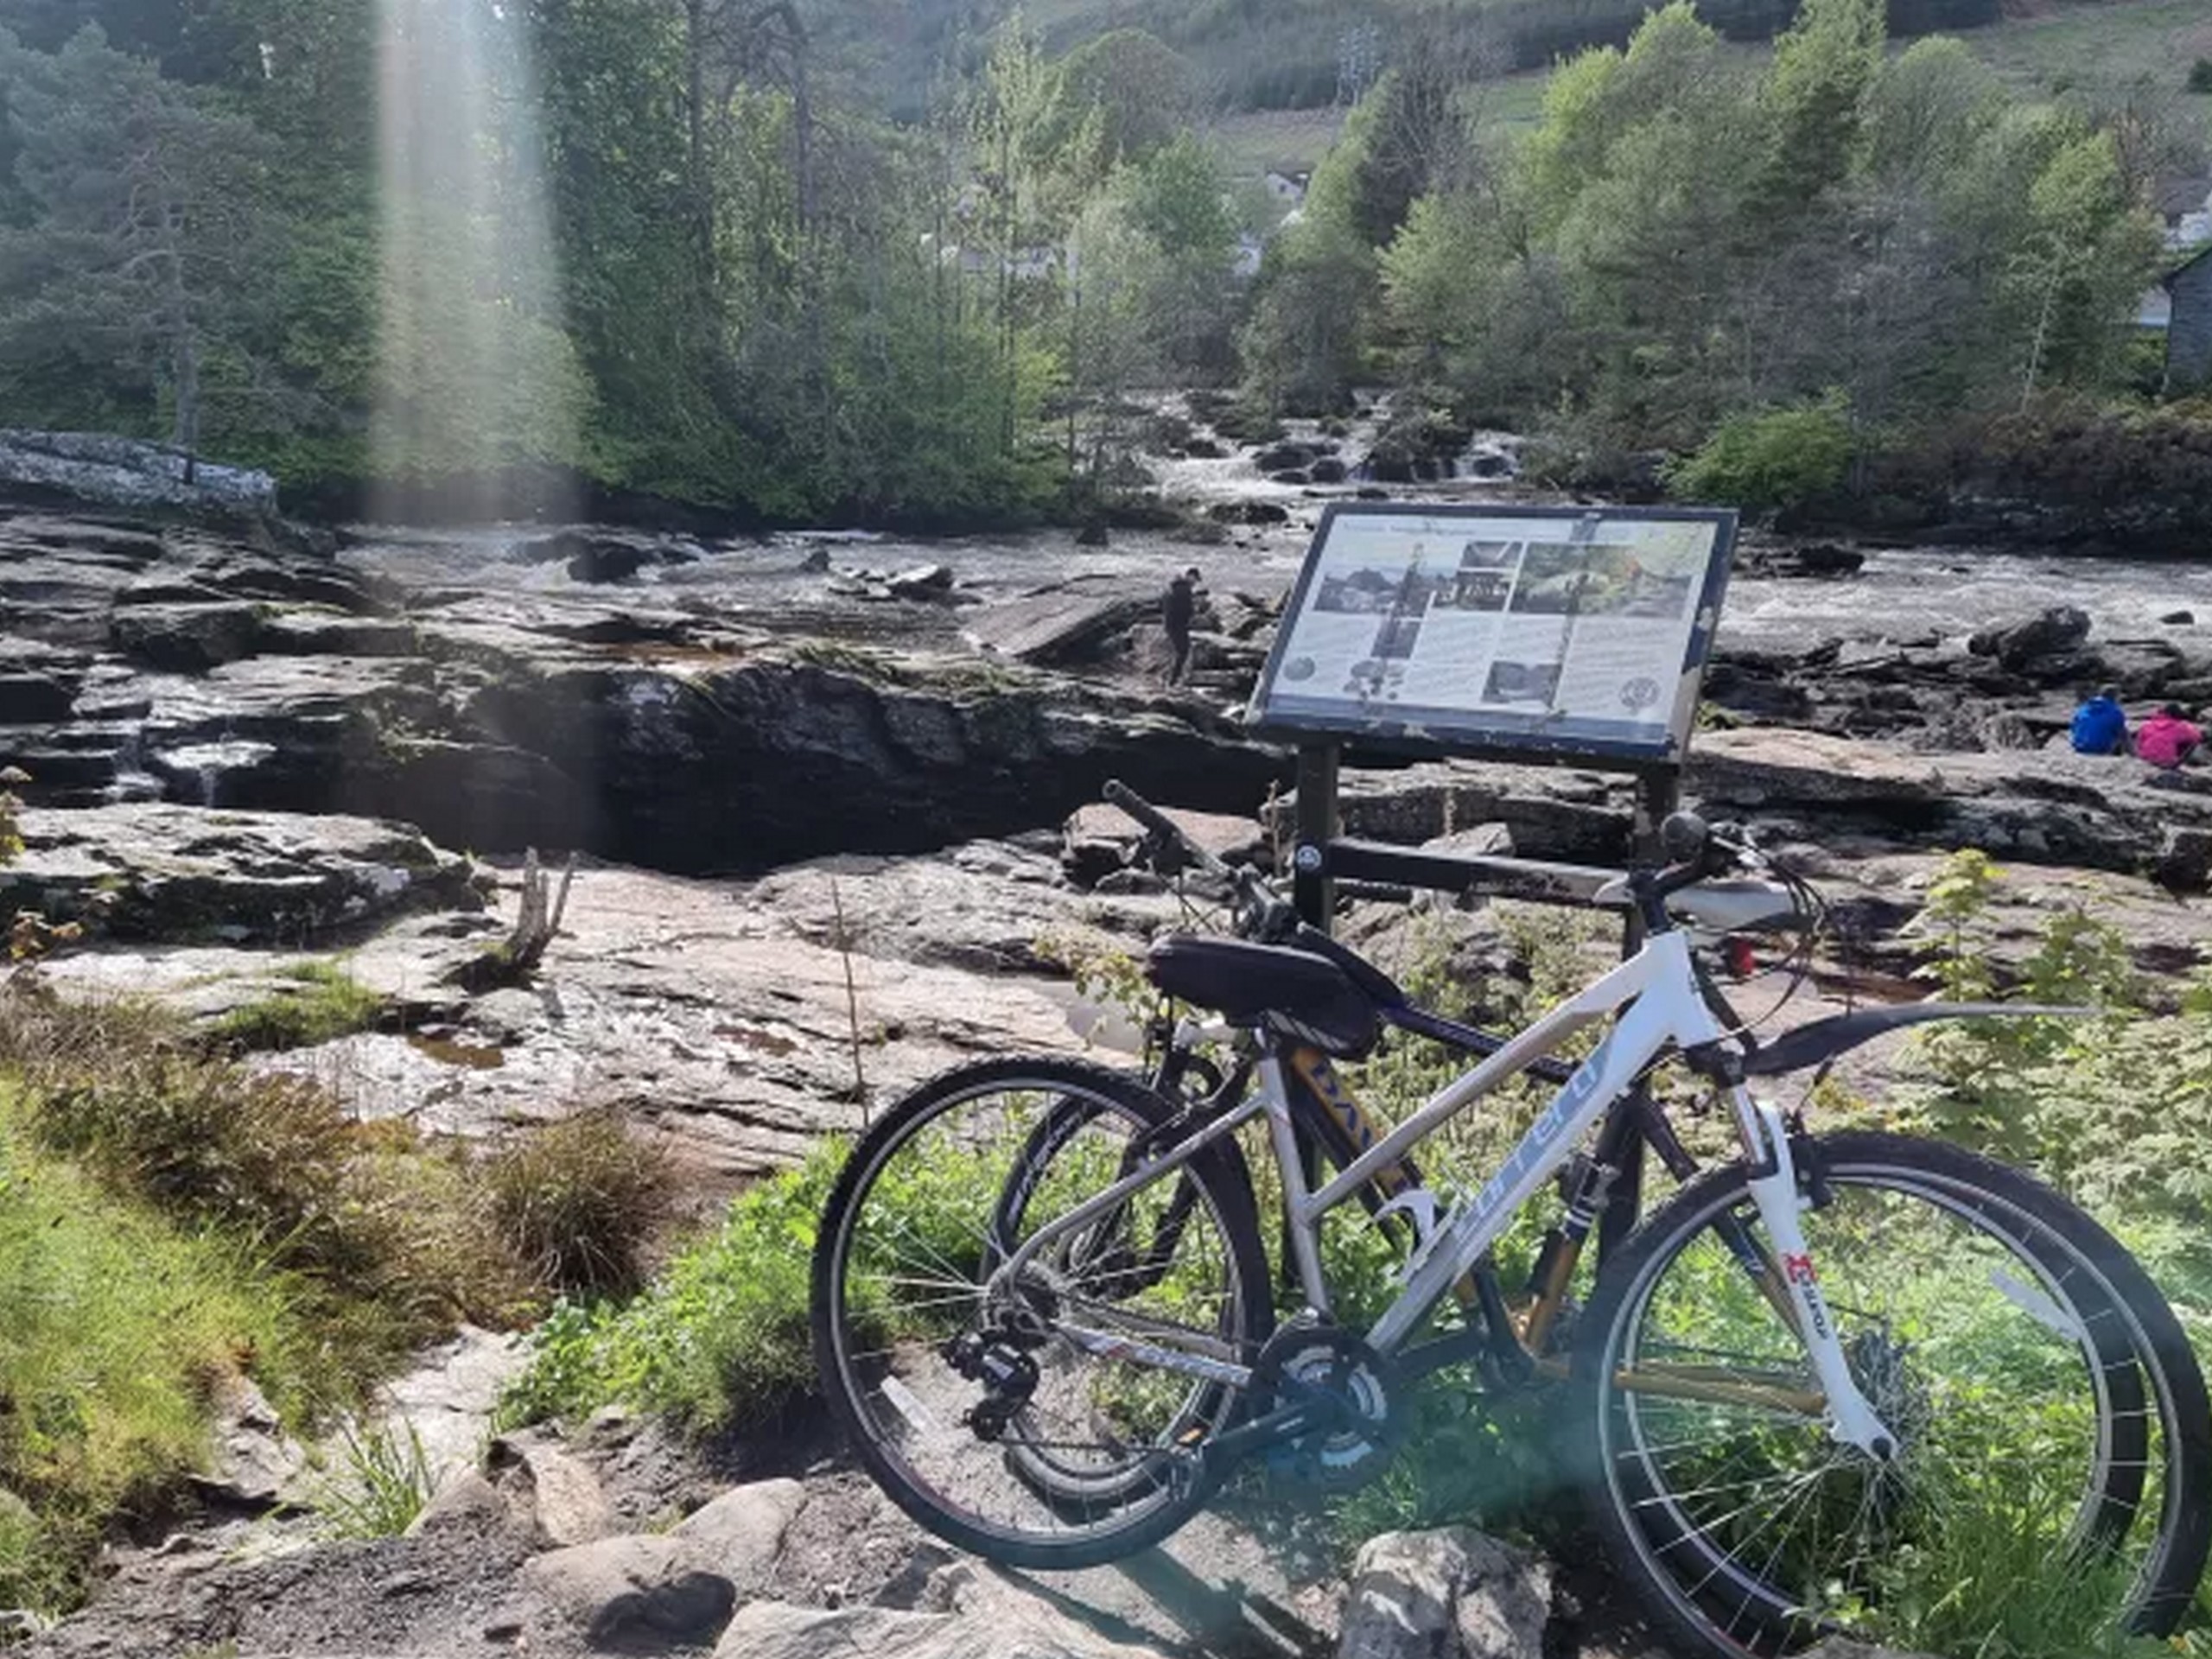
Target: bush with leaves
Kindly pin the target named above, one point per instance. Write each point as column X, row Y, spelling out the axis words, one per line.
column 1772, row 458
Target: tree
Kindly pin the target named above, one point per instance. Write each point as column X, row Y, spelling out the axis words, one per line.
column 147, row 259
column 1816, row 96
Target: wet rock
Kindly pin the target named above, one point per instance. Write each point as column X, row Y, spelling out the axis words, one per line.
column 1067, row 622
column 1327, row 470
column 153, row 870
column 1248, row 512
column 2058, row 629
column 1202, row 449
column 2179, row 619
column 632, row 1588
column 1295, row 476
column 32, row 698
column 187, row 639
column 1821, row 561
column 1284, row 458
column 335, row 633
column 1446, row 1594
column 928, row 583
column 1093, row 534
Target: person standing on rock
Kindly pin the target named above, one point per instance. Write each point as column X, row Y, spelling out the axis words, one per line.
column 1177, row 611
column 2169, row 739
column 2100, row 725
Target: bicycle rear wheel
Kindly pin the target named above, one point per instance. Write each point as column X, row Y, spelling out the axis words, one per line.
column 2052, row 1421
column 1081, row 1449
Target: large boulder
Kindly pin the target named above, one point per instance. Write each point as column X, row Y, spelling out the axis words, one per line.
column 151, row 870
column 2061, row 628
column 631, row 1590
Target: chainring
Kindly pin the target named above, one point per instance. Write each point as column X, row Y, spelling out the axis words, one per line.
column 1305, row 1361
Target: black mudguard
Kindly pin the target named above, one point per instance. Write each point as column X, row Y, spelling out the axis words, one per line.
column 1823, row 1040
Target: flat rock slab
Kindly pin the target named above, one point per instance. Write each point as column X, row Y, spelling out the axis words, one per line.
column 150, row 870
column 1057, row 623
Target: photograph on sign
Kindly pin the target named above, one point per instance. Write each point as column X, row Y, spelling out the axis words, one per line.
column 1563, row 629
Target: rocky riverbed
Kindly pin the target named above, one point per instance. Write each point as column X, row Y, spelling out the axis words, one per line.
column 822, row 788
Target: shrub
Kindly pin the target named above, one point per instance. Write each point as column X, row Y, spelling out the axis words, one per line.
column 722, row 1338
column 1773, row 457
column 2200, row 75
column 321, row 1003
column 578, row 1202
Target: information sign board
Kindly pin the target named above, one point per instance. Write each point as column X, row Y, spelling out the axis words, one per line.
column 1559, row 632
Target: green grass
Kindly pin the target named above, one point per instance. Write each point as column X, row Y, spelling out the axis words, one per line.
column 382, row 1483
column 119, row 1323
column 2062, row 44
column 169, row 1219
column 321, row 1002
column 722, row 1336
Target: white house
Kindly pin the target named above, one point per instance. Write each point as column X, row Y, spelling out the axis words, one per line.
column 1287, row 187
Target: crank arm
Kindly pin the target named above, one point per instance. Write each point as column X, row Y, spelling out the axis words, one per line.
column 1283, row 1424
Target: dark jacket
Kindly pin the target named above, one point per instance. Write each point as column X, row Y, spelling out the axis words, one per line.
column 1182, row 604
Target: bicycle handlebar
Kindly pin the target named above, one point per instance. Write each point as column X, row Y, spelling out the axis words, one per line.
column 1260, row 911
column 1696, row 850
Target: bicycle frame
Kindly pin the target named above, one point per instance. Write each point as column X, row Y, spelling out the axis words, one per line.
column 1655, row 1004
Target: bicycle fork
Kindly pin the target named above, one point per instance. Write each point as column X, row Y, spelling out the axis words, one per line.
column 1773, row 1183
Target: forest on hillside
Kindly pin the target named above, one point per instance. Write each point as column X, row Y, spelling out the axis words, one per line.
column 903, row 260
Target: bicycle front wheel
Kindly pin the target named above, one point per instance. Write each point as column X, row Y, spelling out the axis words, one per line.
column 1052, row 1422
column 2054, row 1445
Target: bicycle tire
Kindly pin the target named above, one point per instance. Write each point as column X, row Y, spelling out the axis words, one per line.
column 2136, row 1356
column 1223, row 1185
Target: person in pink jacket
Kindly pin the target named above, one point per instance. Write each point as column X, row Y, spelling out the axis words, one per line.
column 2168, row 739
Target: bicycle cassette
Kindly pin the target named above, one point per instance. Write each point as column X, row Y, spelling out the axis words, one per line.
column 1361, row 1388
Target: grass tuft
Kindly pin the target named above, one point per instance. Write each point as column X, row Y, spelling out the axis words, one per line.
column 323, row 1003
column 579, row 1202
column 385, row 1483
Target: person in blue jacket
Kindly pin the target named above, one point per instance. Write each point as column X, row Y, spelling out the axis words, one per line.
column 2100, row 725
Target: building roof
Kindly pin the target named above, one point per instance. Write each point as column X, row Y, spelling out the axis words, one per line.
column 2184, row 261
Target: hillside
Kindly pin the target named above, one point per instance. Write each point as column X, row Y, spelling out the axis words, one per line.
column 2052, row 48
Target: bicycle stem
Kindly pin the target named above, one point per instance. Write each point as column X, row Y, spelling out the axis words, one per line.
column 1852, row 1421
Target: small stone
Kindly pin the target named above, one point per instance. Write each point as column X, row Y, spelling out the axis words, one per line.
column 2179, row 619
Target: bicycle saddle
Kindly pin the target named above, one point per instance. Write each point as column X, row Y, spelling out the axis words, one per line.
column 1294, row 992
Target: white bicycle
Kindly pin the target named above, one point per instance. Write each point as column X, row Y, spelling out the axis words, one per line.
column 1042, row 1308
